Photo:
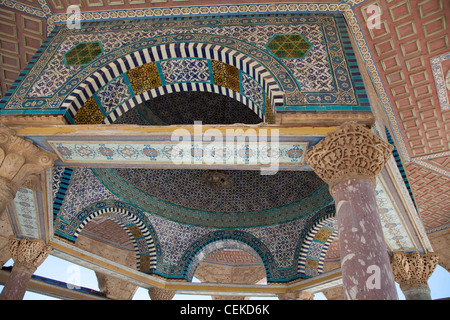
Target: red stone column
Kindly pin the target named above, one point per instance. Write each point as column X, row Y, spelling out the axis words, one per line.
column 365, row 264
column 28, row 256
column 349, row 159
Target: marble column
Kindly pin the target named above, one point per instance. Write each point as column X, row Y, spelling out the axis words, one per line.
column 349, row 159
column 161, row 294
column 412, row 271
column 28, row 255
column 21, row 162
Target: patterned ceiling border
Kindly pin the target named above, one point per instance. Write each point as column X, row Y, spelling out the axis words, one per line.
column 28, row 9
column 439, row 79
column 422, row 161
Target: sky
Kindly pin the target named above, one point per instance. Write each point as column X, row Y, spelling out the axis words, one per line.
column 62, row 270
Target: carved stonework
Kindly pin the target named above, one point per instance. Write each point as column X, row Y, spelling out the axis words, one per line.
column 21, row 162
column 413, row 269
column 160, row 294
column 28, row 254
column 114, row 288
column 352, row 151
column 299, row 295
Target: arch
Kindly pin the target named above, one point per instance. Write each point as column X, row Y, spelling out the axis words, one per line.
column 246, row 63
column 225, row 239
column 178, row 87
column 315, row 246
column 143, row 240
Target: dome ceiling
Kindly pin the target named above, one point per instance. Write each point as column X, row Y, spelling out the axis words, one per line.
column 187, row 107
column 238, row 199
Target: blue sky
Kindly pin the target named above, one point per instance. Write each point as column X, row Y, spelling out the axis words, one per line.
column 65, row 271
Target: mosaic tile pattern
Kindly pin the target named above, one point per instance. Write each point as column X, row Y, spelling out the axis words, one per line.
column 144, row 78
column 84, row 189
column 185, row 70
column 289, row 46
column 83, row 53
column 187, row 188
column 87, row 198
column 394, row 230
column 113, row 94
column 89, row 113
column 252, row 90
column 236, row 33
column 316, row 243
column 225, row 75
column 27, row 213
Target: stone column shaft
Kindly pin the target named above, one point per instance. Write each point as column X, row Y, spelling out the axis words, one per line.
column 365, row 263
column 28, row 255
column 349, row 159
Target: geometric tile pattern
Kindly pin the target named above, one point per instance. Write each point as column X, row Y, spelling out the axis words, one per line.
column 89, row 113
column 144, row 78
column 225, row 75
column 290, row 46
column 240, row 36
column 252, row 90
column 113, row 93
column 185, row 70
column 83, row 53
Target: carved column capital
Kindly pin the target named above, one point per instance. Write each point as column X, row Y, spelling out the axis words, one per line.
column 28, row 254
column 298, row 295
column 21, row 162
column 413, row 269
column 161, row 294
column 114, row 288
column 352, row 151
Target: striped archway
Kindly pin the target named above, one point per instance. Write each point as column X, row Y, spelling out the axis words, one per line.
column 137, row 230
column 225, row 239
column 184, row 50
column 315, row 245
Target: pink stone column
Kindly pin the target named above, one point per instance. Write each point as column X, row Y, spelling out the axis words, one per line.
column 365, row 264
column 28, row 255
column 349, row 159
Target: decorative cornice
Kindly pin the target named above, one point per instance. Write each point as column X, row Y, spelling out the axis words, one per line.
column 21, row 162
column 352, row 151
column 413, row 269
